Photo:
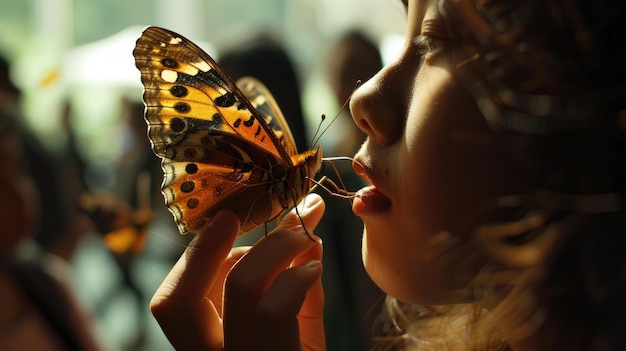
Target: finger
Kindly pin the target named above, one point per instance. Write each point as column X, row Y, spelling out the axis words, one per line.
column 311, row 315
column 277, row 310
column 313, row 307
column 297, row 291
column 291, row 219
column 314, row 304
column 309, row 211
column 250, row 278
column 253, row 274
column 216, row 293
column 311, row 318
column 182, row 295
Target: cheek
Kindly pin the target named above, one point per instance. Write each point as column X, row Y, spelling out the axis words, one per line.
column 448, row 162
column 436, row 179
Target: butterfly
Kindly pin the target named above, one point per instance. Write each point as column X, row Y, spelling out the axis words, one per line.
column 224, row 146
column 123, row 228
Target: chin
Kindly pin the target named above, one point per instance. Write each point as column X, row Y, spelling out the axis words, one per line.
column 379, row 266
column 397, row 277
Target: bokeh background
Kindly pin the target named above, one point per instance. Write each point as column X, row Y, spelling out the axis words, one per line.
column 81, row 96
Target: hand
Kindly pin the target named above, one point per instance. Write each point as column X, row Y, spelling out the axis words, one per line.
column 268, row 297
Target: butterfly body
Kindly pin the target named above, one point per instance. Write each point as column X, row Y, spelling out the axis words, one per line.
column 223, row 146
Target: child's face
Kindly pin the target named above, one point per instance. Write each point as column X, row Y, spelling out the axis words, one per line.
column 18, row 196
column 427, row 160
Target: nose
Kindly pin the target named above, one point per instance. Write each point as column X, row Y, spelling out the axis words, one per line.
column 379, row 106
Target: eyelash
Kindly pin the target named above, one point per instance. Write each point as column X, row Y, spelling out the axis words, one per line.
column 427, row 44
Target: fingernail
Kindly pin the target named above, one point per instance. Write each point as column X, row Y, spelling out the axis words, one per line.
column 310, row 201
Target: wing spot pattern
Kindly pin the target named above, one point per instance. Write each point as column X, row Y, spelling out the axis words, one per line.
column 187, row 187
column 169, row 76
column 178, row 124
column 217, row 191
column 202, row 66
column 208, row 141
column 169, row 63
column 179, row 91
column 193, row 203
column 176, row 41
column 190, row 153
column 216, row 121
column 226, row 100
column 182, row 107
column 249, row 122
column 191, row 168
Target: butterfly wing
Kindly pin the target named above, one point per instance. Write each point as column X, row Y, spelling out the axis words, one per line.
column 263, row 101
column 208, row 171
column 217, row 150
column 185, row 90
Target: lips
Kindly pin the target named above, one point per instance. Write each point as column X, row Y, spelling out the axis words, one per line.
column 368, row 200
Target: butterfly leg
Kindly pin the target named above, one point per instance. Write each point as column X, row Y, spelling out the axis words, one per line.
column 295, row 200
column 331, row 161
column 336, row 190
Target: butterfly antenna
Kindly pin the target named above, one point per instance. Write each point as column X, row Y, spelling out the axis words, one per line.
column 318, row 135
